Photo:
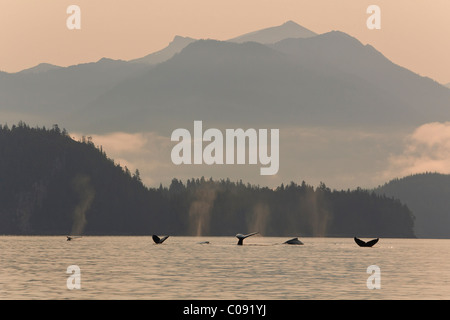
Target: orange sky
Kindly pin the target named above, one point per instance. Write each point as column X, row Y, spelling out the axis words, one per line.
column 414, row 33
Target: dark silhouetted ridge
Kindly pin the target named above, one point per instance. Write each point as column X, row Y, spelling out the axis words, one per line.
column 51, row 184
column 428, row 197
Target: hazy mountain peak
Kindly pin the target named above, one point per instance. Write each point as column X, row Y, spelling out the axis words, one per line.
column 204, row 50
column 175, row 46
column 447, row 85
column 290, row 22
column 339, row 36
column 108, row 60
column 42, row 67
column 178, row 38
column 331, row 44
column 289, row 29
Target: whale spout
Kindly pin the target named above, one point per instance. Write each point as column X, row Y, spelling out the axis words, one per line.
column 293, row 241
column 159, row 240
column 363, row 243
column 241, row 237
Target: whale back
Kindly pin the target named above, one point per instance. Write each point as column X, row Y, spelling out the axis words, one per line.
column 293, row 241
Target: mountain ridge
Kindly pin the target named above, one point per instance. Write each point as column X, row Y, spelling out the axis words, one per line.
column 209, row 76
column 289, row 29
column 175, row 46
column 42, row 67
column 285, row 30
column 427, row 195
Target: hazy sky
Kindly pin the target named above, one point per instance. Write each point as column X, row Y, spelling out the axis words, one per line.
column 414, row 33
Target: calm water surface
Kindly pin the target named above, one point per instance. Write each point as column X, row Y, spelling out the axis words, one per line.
column 182, row 268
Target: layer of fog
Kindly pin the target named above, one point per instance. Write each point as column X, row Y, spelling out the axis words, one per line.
column 341, row 158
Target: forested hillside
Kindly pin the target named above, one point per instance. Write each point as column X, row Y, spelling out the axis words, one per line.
column 51, row 184
column 428, row 196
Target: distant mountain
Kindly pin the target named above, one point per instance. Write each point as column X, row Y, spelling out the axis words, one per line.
column 42, row 67
column 174, row 47
column 448, row 85
column 51, row 93
column 338, row 54
column 428, row 197
column 328, row 80
column 289, row 29
column 324, row 80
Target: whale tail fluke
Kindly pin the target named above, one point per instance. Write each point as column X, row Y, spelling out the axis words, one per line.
column 241, row 237
column 159, row 240
column 363, row 243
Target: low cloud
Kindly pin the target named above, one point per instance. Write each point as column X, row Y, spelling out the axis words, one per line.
column 146, row 151
column 341, row 158
column 121, row 142
column 427, row 149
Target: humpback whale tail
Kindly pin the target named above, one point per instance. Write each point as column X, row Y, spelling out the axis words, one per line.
column 241, row 237
column 362, row 243
column 159, row 240
column 293, row 241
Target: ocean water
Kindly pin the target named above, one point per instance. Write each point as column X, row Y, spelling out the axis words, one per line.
column 116, row 267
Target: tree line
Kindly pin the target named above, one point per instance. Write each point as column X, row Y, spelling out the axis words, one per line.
column 52, row 184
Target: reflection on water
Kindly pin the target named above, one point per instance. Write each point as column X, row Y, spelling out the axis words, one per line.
column 184, row 268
